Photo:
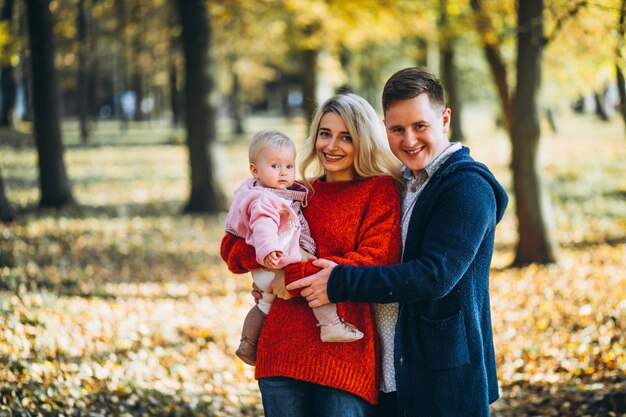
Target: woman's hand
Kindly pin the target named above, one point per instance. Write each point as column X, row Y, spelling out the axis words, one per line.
column 306, row 256
column 277, row 287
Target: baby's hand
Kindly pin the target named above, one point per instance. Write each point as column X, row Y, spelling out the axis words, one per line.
column 272, row 259
column 305, row 256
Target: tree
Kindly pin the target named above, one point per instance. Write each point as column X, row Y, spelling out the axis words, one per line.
column 306, row 32
column 536, row 232
column 490, row 41
column 83, row 80
column 537, row 241
column 138, row 48
column 236, row 104
column 175, row 96
column 7, row 213
column 619, row 73
column 25, row 57
column 121, row 72
column 449, row 71
column 205, row 194
column 7, row 71
column 53, row 181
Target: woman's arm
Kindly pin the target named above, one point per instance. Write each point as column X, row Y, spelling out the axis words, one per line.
column 238, row 255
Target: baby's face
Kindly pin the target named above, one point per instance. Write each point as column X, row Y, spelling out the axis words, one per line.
column 275, row 167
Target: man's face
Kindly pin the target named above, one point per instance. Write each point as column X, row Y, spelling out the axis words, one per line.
column 417, row 131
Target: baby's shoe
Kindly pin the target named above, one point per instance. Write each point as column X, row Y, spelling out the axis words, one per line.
column 340, row 331
column 252, row 326
column 247, row 351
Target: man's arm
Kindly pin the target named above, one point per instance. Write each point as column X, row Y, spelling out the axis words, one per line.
column 457, row 229
column 461, row 221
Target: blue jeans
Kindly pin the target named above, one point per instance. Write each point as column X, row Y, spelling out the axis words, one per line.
column 286, row 397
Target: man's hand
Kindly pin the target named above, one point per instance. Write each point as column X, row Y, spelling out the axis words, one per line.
column 314, row 286
column 277, row 287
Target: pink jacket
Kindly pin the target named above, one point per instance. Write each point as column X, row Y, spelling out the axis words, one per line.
column 271, row 220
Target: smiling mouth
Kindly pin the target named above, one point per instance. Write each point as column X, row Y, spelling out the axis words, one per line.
column 333, row 157
column 413, row 152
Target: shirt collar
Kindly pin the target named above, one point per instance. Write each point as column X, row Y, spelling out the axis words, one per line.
column 434, row 166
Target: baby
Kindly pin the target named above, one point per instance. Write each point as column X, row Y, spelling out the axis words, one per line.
column 266, row 211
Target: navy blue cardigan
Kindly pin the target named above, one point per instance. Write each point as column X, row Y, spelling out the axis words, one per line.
column 444, row 355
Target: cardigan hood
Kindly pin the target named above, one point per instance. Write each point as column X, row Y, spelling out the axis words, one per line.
column 461, row 161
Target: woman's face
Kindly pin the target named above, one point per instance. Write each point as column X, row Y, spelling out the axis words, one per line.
column 335, row 149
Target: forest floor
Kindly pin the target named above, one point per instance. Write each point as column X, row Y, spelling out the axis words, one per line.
column 121, row 306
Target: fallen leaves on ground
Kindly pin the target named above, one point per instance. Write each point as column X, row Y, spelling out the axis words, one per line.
column 120, row 306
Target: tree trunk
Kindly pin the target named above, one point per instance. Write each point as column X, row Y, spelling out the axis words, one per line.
column 309, row 87
column 7, row 213
column 174, row 95
column 619, row 73
column 137, row 86
column 205, row 194
column 600, row 111
column 9, row 89
column 345, row 59
column 25, row 76
column 450, row 80
column 27, row 86
column 422, row 52
column 537, row 241
column 83, row 81
column 236, row 104
column 53, row 181
column 368, row 75
column 495, row 61
column 449, row 72
column 121, row 67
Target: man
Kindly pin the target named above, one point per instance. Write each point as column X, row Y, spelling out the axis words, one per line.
column 443, row 357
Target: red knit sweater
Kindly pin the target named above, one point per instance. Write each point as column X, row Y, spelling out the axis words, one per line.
column 354, row 223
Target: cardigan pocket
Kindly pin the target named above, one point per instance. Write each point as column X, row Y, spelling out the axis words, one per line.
column 444, row 342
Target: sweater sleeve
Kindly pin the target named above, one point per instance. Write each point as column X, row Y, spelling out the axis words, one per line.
column 379, row 239
column 238, row 255
column 462, row 218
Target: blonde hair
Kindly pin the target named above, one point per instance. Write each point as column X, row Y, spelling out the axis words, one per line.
column 372, row 156
column 265, row 139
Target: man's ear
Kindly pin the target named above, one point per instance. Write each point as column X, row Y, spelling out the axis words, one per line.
column 253, row 170
column 447, row 113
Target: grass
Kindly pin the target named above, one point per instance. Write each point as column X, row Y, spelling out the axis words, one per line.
column 121, row 305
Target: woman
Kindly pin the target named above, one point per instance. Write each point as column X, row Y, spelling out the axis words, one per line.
column 354, row 214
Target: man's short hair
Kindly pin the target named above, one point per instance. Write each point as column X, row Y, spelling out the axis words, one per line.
column 409, row 83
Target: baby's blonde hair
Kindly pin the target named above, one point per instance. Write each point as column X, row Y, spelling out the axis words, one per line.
column 265, row 139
